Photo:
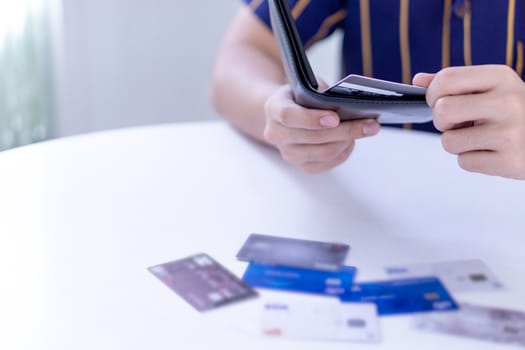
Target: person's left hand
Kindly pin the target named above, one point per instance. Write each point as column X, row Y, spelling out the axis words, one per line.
column 481, row 112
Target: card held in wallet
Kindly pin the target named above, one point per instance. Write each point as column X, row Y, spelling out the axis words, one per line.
column 353, row 97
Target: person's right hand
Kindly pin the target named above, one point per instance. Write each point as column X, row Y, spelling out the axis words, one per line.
column 312, row 139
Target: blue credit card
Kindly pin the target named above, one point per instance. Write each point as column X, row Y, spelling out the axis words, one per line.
column 300, row 280
column 394, row 297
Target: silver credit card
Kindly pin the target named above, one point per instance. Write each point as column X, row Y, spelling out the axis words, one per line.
column 273, row 250
column 478, row 322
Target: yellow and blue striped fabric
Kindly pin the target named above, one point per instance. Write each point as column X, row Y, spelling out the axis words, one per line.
column 394, row 39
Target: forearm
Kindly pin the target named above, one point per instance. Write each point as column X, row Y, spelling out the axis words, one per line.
column 247, row 71
column 242, row 82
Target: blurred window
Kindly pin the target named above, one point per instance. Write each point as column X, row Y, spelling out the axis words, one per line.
column 26, row 90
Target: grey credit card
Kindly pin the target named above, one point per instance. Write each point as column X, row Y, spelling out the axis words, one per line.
column 273, row 250
column 202, row 282
column 458, row 276
column 478, row 322
column 378, row 86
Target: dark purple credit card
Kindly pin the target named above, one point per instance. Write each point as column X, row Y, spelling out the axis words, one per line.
column 202, row 282
column 307, row 254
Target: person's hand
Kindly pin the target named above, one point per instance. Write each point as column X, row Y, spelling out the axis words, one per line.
column 481, row 112
column 314, row 140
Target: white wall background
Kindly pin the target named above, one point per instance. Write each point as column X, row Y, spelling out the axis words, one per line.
column 135, row 62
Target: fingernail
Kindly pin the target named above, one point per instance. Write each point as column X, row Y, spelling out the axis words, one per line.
column 370, row 127
column 329, row 121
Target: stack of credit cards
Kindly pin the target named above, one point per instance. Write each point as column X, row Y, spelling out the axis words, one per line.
column 297, row 265
column 353, row 308
column 306, row 266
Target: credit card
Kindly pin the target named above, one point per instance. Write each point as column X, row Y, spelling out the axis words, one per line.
column 403, row 296
column 202, row 282
column 334, row 321
column 378, row 86
column 477, row 322
column 300, row 280
column 273, row 250
column 457, row 276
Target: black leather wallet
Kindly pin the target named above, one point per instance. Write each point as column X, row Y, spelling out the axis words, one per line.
column 353, row 97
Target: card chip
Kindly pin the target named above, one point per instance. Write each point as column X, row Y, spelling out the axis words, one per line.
column 356, row 323
column 333, row 282
column 202, row 260
column 478, row 277
column 215, row 297
column 511, row 330
column 274, row 332
column 432, row 296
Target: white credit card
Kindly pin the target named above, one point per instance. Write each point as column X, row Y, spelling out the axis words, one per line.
column 321, row 321
column 457, row 276
column 477, row 322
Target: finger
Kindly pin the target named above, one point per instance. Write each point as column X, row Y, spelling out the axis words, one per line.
column 320, row 167
column 476, row 138
column 451, row 112
column 282, row 108
column 464, row 80
column 423, row 79
column 277, row 134
column 364, row 128
column 352, row 130
column 299, row 154
column 282, row 135
column 486, row 162
column 357, row 129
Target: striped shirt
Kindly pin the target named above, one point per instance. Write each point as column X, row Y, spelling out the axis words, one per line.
column 394, row 39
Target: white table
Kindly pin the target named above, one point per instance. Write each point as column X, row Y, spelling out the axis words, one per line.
column 82, row 218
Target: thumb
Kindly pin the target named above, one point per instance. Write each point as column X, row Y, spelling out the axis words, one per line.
column 423, row 79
